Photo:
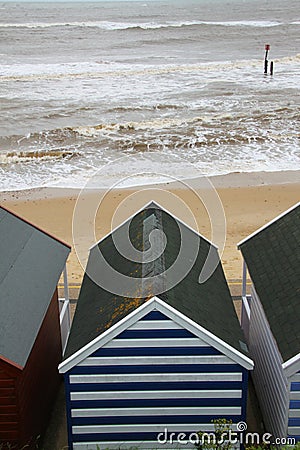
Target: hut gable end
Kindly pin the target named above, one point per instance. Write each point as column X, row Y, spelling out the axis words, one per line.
column 153, row 373
column 165, row 354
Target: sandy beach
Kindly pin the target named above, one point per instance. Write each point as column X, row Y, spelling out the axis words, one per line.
column 249, row 201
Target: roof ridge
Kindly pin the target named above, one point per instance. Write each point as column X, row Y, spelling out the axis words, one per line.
column 35, row 226
column 16, row 257
column 153, row 204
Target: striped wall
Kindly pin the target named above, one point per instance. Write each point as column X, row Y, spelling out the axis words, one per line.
column 269, row 379
column 294, row 407
column 152, row 376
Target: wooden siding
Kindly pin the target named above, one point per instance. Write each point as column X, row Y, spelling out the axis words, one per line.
column 294, row 407
column 40, row 380
column 152, row 376
column 9, row 418
column 270, row 381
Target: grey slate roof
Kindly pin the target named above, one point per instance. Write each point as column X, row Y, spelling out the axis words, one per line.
column 273, row 259
column 208, row 304
column 31, row 263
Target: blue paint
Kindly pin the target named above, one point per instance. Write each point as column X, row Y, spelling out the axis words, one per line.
column 156, row 386
column 155, row 402
column 156, row 351
column 244, row 394
column 144, row 403
column 295, row 386
column 155, row 315
column 145, row 334
column 68, row 409
column 161, row 368
column 295, row 437
column 155, row 420
column 294, row 422
column 121, row 437
column 295, row 404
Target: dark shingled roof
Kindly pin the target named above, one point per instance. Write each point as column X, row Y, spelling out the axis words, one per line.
column 208, row 304
column 31, row 262
column 273, row 259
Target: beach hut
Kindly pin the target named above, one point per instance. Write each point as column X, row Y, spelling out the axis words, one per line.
column 31, row 262
column 149, row 370
column 271, row 317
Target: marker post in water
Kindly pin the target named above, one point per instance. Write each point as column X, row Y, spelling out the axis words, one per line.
column 267, row 48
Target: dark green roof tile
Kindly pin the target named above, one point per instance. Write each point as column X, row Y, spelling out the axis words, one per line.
column 209, row 304
column 273, row 260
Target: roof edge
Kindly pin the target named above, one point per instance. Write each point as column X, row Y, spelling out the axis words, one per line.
column 36, row 227
column 11, row 363
column 267, row 225
column 172, row 313
column 148, row 205
column 207, row 336
column 292, row 365
column 106, row 336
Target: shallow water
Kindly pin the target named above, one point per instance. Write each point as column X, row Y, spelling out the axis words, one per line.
column 171, row 86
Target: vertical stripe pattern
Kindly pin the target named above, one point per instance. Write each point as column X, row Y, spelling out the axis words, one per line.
column 268, row 376
column 153, row 376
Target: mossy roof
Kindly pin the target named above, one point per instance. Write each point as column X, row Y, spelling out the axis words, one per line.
column 209, row 304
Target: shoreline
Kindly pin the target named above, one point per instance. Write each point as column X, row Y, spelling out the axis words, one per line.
column 229, row 180
column 247, row 202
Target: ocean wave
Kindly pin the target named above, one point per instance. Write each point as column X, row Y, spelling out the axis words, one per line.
column 117, row 26
column 214, row 143
column 13, row 157
column 220, row 122
column 102, row 69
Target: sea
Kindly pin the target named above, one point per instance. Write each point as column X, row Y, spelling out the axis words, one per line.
column 143, row 91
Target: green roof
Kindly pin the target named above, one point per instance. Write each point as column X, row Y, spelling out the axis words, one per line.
column 272, row 256
column 209, row 304
column 31, row 262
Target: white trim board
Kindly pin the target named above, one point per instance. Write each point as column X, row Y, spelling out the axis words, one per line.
column 267, row 225
column 159, row 305
column 292, row 366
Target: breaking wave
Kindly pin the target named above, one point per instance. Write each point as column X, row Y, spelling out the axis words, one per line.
column 13, row 157
column 116, row 26
column 103, row 69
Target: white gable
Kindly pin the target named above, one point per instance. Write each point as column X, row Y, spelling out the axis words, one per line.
column 202, row 336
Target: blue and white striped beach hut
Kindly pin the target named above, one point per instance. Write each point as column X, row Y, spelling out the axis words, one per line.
column 138, row 369
column 271, row 318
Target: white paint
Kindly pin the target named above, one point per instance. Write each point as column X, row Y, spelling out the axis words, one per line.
column 155, row 394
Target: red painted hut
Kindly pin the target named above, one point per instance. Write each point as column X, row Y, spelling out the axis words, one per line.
column 31, row 263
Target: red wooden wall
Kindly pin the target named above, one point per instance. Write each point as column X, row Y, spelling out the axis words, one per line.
column 9, row 417
column 33, row 390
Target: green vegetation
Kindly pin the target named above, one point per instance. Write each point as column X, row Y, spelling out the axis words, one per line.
column 218, row 439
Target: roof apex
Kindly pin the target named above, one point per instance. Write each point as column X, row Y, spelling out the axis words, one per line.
column 149, row 205
column 243, row 241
